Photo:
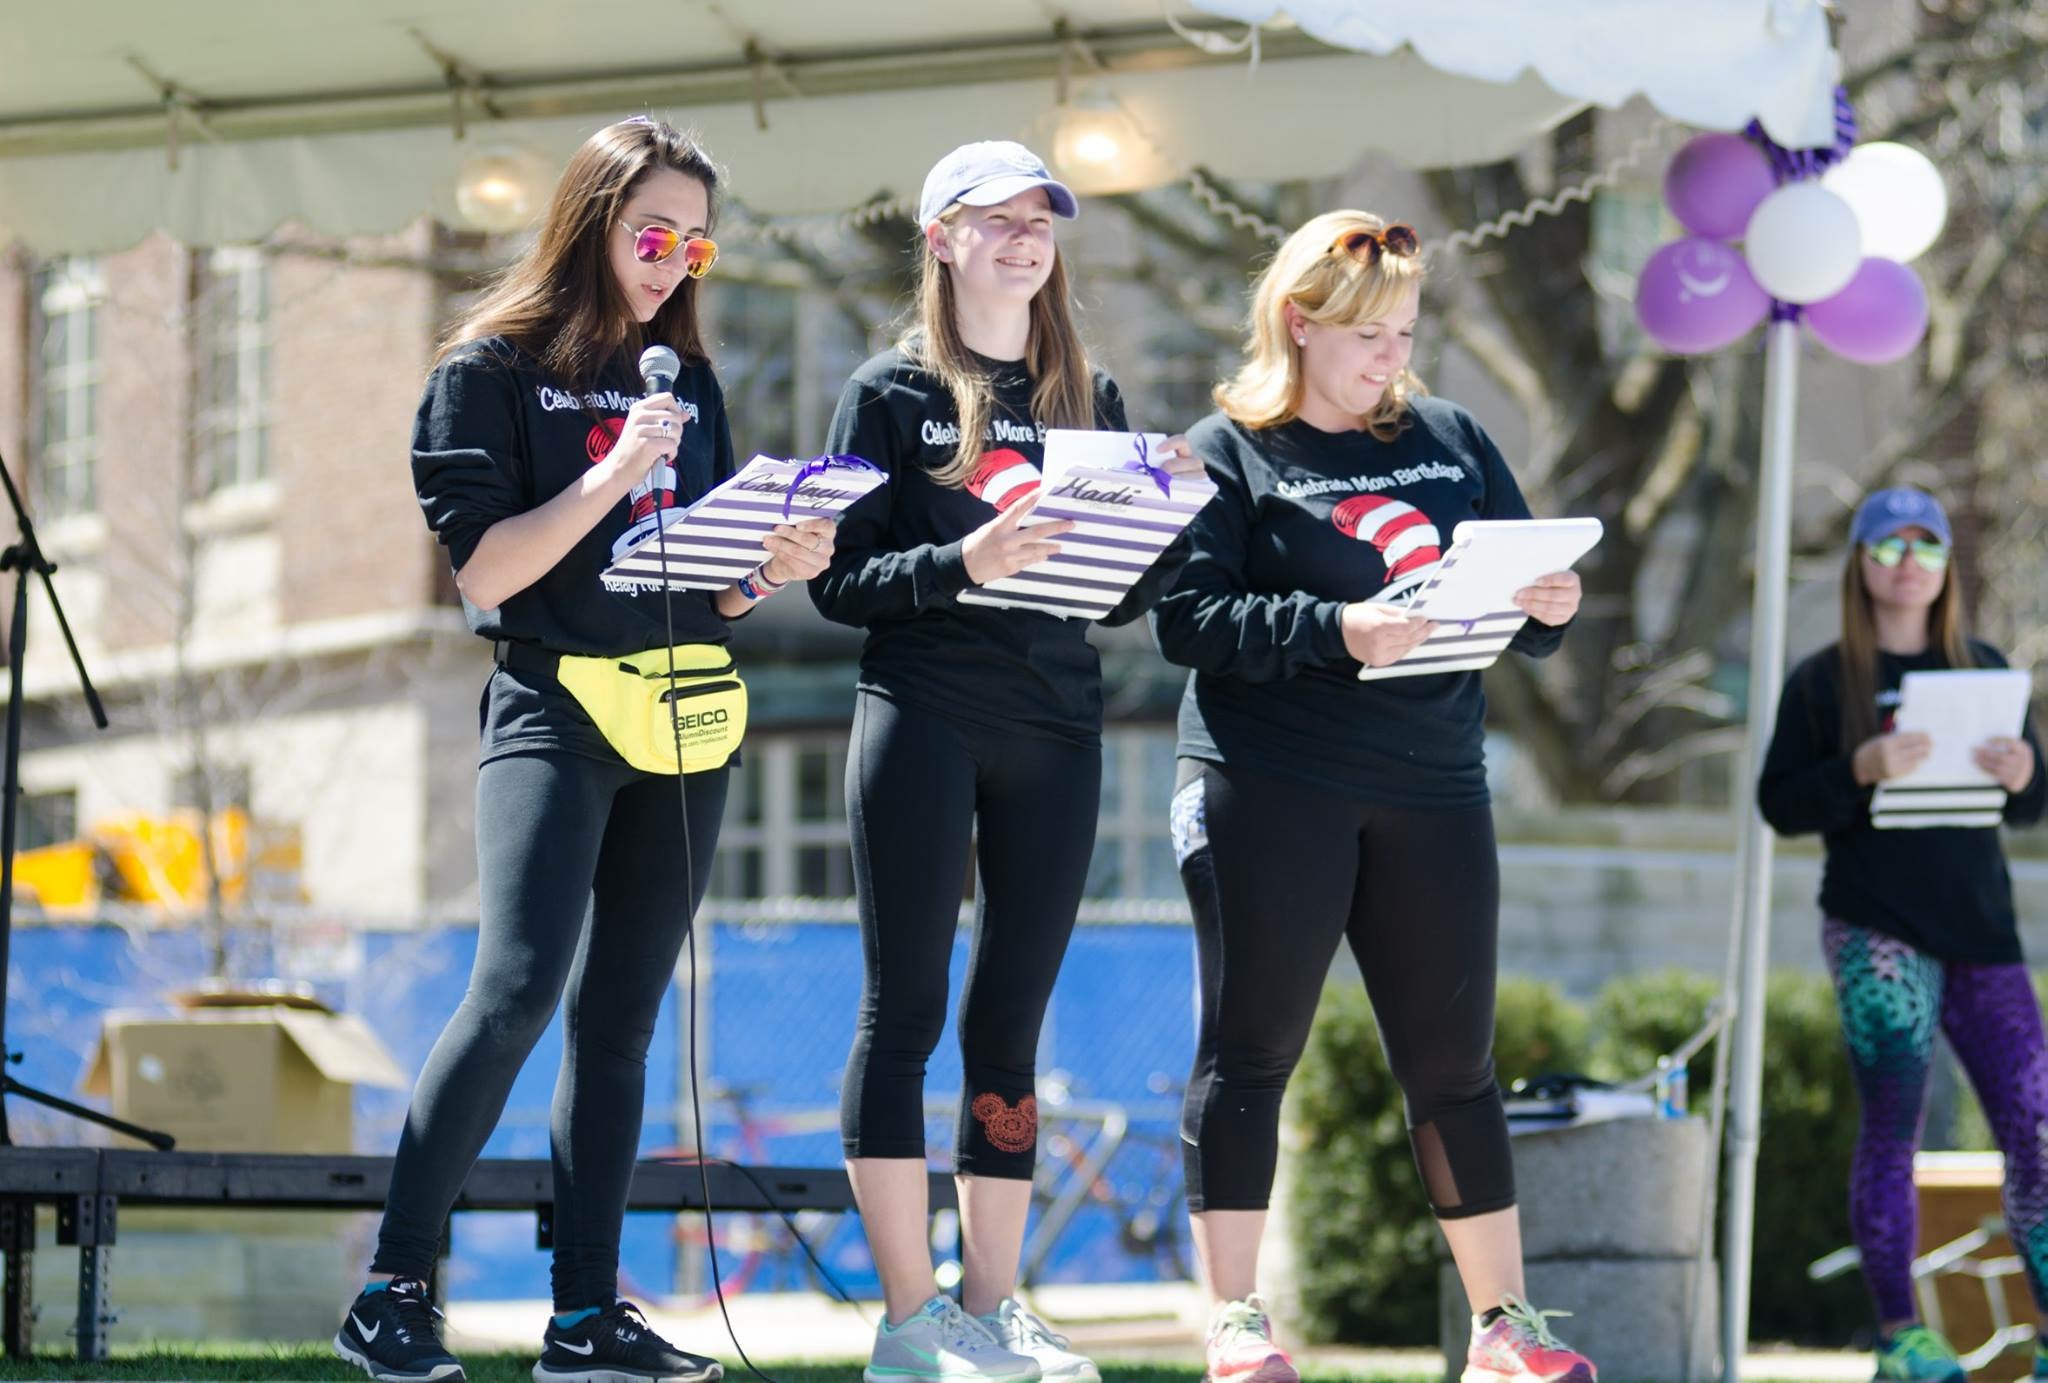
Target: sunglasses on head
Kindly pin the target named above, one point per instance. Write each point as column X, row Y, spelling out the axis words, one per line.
column 1398, row 240
column 654, row 243
column 1889, row 552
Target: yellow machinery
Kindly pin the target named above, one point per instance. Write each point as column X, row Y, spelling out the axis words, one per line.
column 161, row 862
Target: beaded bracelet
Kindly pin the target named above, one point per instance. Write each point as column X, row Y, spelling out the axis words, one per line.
column 755, row 585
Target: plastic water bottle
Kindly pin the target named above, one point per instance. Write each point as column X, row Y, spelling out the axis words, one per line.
column 1672, row 1094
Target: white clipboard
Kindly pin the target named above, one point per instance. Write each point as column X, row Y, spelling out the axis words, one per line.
column 1957, row 710
column 1470, row 592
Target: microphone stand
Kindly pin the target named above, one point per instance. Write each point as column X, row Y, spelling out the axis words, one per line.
column 25, row 558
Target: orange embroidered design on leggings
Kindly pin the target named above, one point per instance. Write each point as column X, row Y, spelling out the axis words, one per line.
column 1012, row 1129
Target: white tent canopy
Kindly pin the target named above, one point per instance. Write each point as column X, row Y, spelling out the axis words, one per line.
column 345, row 116
column 1717, row 64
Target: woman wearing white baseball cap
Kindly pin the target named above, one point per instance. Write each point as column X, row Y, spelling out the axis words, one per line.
column 976, row 730
column 1917, row 925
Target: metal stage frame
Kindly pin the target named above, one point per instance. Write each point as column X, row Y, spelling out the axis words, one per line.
column 88, row 1187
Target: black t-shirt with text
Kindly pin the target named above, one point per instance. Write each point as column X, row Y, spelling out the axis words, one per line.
column 1943, row 890
column 495, row 437
column 899, row 569
column 1305, row 522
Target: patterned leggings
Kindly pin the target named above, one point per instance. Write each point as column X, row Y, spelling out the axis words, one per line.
column 1892, row 997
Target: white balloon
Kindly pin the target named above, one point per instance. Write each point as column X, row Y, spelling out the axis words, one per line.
column 1897, row 195
column 1803, row 243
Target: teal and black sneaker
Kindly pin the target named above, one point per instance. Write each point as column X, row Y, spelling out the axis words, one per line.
column 1915, row 1354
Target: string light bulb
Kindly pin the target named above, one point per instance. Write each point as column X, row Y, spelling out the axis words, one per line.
column 498, row 189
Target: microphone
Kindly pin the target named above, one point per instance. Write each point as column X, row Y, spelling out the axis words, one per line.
column 658, row 370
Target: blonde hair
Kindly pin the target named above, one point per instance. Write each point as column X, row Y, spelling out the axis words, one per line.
column 1945, row 631
column 1062, row 382
column 1329, row 288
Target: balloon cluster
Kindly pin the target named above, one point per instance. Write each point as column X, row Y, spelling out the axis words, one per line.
column 1825, row 235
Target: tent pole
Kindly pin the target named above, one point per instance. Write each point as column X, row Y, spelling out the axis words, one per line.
column 1753, row 839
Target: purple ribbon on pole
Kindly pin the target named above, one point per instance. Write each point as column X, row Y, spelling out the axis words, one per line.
column 818, row 465
column 1161, row 477
column 1798, row 165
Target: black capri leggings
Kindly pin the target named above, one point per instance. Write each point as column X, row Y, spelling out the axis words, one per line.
column 581, row 886
column 918, row 783
column 1276, row 873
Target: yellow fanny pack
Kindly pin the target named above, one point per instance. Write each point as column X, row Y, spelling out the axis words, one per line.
column 646, row 716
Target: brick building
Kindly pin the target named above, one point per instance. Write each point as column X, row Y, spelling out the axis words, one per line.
column 213, row 443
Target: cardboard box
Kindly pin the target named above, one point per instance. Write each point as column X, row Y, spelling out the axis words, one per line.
column 257, row 1079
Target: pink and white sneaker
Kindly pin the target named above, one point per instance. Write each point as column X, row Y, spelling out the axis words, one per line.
column 1241, row 1348
column 1519, row 1348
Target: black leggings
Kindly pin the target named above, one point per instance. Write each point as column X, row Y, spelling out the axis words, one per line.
column 1276, row 873
column 917, row 785
column 581, row 884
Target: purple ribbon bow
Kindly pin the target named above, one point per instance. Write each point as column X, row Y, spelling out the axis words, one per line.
column 1161, row 477
column 818, row 465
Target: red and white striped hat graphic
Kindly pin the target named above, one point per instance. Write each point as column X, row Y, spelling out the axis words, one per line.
column 1003, row 477
column 1405, row 537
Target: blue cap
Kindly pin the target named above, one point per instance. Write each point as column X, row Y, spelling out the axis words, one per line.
column 988, row 172
column 1885, row 512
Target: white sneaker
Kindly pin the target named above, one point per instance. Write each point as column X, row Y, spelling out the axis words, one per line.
column 1020, row 1331
column 943, row 1342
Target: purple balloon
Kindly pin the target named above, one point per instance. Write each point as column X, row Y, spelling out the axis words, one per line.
column 1697, row 295
column 1715, row 182
column 1877, row 319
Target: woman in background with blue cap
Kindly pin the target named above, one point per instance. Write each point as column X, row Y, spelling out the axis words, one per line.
column 1918, row 924
column 977, row 737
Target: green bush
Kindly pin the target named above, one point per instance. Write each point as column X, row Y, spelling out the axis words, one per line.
column 1361, row 1225
column 1362, row 1228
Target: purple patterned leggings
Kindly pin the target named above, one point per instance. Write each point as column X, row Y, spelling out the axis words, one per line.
column 1892, row 997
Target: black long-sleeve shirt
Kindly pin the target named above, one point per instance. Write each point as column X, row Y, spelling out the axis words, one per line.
column 898, row 568
column 495, row 437
column 1301, row 526
column 1944, row 890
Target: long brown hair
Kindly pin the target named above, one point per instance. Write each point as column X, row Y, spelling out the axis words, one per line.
column 560, row 301
column 1858, row 649
column 1329, row 289
column 1062, row 382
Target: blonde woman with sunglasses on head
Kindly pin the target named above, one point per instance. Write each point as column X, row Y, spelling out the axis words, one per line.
column 1313, row 808
column 1917, row 925
column 976, row 730
column 534, row 454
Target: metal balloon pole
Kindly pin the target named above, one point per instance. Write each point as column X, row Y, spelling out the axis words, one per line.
column 1753, row 840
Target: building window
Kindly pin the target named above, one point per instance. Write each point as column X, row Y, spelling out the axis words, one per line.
column 1133, row 855
column 68, row 297
column 785, row 834
column 47, row 818
column 230, row 305
column 736, row 870
column 212, row 787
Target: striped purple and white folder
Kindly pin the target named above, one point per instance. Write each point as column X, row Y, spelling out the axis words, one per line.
column 714, row 542
column 1487, row 562
column 1123, row 519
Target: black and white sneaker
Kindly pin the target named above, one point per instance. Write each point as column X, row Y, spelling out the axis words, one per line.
column 617, row 1346
column 390, row 1335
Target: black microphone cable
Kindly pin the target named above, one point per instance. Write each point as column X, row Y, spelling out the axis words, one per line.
column 690, row 940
